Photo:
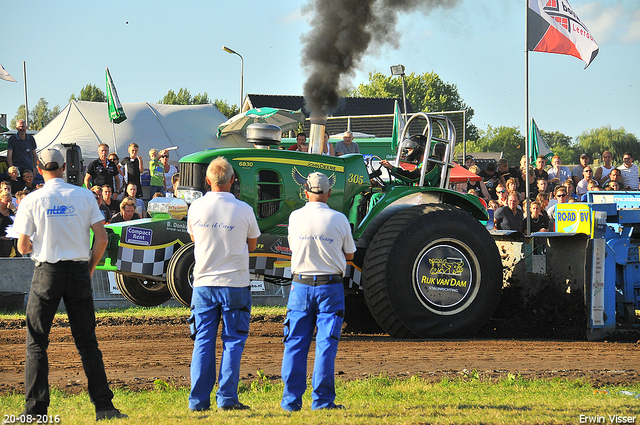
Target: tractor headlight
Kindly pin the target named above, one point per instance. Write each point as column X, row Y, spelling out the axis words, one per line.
column 189, row 195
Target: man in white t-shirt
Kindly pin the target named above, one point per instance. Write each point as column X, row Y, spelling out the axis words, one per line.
column 53, row 223
column 629, row 171
column 224, row 231
column 321, row 243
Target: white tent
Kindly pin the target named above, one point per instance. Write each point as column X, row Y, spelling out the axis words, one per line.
column 191, row 128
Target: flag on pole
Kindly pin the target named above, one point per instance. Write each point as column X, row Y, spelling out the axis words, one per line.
column 116, row 113
column 398, row 126
column 5, row 75
column 553, row 27
column 538, row 145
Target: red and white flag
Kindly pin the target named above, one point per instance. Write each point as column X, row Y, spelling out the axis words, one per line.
column 553, row 27
column 5, row 75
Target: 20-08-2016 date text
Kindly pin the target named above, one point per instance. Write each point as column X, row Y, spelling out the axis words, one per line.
column 31, row 419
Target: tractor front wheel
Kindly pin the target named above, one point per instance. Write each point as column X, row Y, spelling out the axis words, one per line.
column 141, row 291
column 432, row 271
column 180, row 274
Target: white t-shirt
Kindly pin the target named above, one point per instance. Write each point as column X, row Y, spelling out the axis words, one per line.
column 58, row 218
column 630, row 176
column 220, row 225
column 318, row 238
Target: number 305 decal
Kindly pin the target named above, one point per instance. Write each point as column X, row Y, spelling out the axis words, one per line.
column 355, row 178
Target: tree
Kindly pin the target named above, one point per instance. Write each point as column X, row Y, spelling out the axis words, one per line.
column 563, row 146
column 426, row 92
column 598, row 140
column 226, row 109
column 39, row 116
column 90, row 93
column 507, row 140
column 184, row 98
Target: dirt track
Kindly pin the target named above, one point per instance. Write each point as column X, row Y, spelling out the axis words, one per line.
column 136, row 352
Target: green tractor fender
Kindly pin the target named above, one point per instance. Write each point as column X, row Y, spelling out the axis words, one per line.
column 399, row 198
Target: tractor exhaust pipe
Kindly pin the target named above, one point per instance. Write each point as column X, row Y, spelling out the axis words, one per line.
column 316, row 135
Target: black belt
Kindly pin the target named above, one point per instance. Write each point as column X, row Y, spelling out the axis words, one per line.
column 317, row 279
column 64, row 263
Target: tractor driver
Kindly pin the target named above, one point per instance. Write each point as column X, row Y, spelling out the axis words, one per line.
column 412, row 151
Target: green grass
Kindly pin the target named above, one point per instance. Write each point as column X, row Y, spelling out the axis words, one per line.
column 375, row 400
column 150, row 312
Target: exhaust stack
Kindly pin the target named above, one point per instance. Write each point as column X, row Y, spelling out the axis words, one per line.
column 316, row 135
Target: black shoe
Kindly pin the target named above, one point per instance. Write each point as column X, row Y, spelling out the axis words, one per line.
column 335, row 406
column 237, row 406
column 110, row 414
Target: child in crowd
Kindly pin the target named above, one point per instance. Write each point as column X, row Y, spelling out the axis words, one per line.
column 131, row 167
column 28, row 184
column 19, row 195
column 175, row 182
column 156, row 170
column 14, row 180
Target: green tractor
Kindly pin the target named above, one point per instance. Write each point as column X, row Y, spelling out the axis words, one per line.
column 426, row 266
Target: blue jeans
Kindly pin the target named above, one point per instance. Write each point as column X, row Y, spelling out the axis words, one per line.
column 310, row 307
column 209, row 304
column 70, row 281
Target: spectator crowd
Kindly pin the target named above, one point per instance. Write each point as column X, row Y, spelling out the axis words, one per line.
column 504, row 188
column 116, row 183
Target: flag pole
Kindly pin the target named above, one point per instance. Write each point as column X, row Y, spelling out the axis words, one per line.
column 526, row 101
column 26, row 106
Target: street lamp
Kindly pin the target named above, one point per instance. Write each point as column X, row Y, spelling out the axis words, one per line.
column 399, row 70
column 228, row 50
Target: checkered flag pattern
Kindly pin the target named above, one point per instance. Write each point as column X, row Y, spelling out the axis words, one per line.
column 151, row 262
column 266, row 266
column 353, row 275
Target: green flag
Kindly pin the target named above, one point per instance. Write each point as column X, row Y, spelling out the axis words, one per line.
column 537, row 144
column 398, row 126
column 116, row 113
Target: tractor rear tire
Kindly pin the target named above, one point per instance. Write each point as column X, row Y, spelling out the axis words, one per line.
column 432, row 271
column 180, row 274
column 140, row 291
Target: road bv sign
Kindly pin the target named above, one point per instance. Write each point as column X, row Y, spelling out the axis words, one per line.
column 573, row 218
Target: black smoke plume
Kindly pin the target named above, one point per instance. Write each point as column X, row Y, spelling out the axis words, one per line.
column 342, row 31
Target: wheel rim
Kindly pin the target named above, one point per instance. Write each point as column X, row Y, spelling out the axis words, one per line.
column 190, row 274
column 446, row 276
column 151, row 285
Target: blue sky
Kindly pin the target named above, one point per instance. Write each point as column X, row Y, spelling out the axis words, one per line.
column 153, row 46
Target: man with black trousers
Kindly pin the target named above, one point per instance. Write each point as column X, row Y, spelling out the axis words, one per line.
column 53, row 223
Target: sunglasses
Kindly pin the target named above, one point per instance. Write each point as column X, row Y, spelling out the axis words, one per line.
column 563, row 195
column 500, row 191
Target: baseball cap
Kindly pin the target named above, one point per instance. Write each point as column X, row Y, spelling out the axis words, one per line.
column 317, row 183
column 50, row 159
column 584, row 155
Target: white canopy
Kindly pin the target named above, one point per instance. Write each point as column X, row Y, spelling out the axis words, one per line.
column 191, row 128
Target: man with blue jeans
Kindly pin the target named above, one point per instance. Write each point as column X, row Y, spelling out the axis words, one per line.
column 224, row 231
column 54, row 224
column 321, row 243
